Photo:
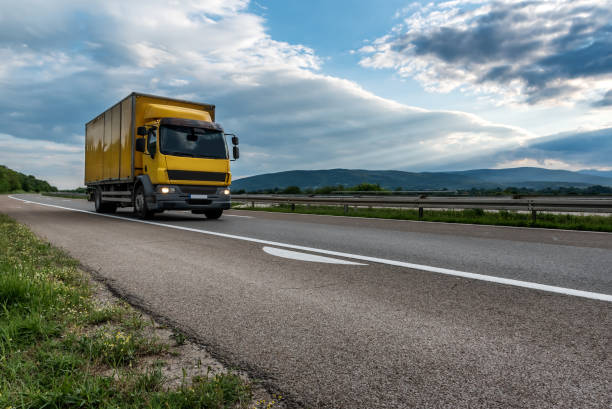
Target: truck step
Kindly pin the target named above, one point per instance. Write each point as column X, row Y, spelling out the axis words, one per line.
column 118, row 199
column 117, row 193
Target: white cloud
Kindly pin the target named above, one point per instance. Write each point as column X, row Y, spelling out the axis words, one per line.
column 61, row 164
column 549, row 163
column 178, row 82
column 552, row 52
column 574, row 150
column 81, row 57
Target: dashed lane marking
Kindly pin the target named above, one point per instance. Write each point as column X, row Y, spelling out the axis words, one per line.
column 295, row 255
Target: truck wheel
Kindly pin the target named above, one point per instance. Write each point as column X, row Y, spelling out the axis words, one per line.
column 98, row 201
column 213, row 214
column 140, row 204
column 102, row 207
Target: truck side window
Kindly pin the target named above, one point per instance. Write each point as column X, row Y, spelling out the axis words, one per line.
column 152, row 141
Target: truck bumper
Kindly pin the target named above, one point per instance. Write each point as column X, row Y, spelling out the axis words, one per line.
column 160, row 202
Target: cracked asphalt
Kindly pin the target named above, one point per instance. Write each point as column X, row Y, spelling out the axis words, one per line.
column 363, row 336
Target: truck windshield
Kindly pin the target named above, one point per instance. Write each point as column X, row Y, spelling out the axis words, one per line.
column 194, row 142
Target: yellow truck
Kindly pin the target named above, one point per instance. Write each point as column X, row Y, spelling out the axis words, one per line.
column 154, row 153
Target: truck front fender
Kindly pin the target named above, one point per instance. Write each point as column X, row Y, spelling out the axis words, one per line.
column 146, row 184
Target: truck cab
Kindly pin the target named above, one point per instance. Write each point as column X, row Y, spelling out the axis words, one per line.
column 178, row 156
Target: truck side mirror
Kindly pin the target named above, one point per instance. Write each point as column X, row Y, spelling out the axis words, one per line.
column 142, row 131
column 235, row 139
column 140, row 144
column 236, row 152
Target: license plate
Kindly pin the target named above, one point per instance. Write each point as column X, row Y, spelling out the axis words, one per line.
column 199, row 196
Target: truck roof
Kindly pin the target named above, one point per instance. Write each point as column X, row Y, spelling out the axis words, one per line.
column 140, row 94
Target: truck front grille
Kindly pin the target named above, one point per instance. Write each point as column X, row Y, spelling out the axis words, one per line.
column 196, row 175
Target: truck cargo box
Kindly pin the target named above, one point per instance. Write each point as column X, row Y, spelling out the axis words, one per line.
column 109, row 138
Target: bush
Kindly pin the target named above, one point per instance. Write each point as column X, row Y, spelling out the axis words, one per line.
column 11, row 181
column 367, row 187
column 292, row 190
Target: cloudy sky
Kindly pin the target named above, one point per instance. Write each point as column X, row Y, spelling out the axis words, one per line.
column 320, row 84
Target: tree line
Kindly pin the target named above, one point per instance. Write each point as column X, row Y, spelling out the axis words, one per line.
column 12, row 181
column 324, row 190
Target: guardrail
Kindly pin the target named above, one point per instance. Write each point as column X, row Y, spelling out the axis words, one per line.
column 532, row 204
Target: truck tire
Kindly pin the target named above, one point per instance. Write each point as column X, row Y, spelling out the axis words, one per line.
column 140, row 204
column 102, row 207
column 213, row 214
column 98, row 201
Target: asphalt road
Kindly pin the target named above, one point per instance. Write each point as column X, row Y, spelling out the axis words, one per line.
column 381, row 330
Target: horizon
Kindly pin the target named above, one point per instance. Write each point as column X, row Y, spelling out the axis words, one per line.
column 374, row 86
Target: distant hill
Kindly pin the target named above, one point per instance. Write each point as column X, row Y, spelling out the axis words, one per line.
column 11, row 181
column 536, row 178
column 604, row 173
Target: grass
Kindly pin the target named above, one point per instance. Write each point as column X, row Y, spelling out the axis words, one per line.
column 472, row 216
column 178, row 337
column 60, row 349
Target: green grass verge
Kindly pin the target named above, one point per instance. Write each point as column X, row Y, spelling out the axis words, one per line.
column 473, row 216
column 60, row 349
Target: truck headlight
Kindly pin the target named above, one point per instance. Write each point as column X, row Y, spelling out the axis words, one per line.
column 226, row 192
column 166, row 189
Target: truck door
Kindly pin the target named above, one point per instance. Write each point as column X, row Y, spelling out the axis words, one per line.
column 150, row 160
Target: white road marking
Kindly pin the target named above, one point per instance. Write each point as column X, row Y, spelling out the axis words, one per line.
column 307, row 257
column 235, row 215
column 446, row 271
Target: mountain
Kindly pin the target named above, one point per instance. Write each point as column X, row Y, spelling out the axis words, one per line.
column 536, row 178
column 11, row 181
column 604, row 173
column 350, row 177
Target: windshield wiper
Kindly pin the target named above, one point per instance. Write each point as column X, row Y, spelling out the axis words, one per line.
column 210, row 157
column 179, row 154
